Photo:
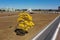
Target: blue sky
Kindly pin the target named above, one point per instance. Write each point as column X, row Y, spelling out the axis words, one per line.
column 34, row 4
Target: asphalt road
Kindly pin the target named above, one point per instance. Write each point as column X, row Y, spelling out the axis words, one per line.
column 48, row 33
column 58, row 36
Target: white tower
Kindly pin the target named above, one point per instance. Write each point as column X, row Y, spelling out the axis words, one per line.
column 29, row 10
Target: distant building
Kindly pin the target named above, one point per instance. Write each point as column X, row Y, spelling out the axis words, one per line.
column 7, row 9
column 10, row 9
column 59, row 8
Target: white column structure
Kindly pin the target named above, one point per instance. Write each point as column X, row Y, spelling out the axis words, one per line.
column 29, row 10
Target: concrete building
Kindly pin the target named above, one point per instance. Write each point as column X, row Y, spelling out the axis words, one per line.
column 59, row 8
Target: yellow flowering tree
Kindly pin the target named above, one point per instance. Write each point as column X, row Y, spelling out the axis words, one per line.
column 25, row 21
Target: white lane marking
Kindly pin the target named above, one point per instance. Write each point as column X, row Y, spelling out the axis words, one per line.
column 56, row 33
column 45, row 29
